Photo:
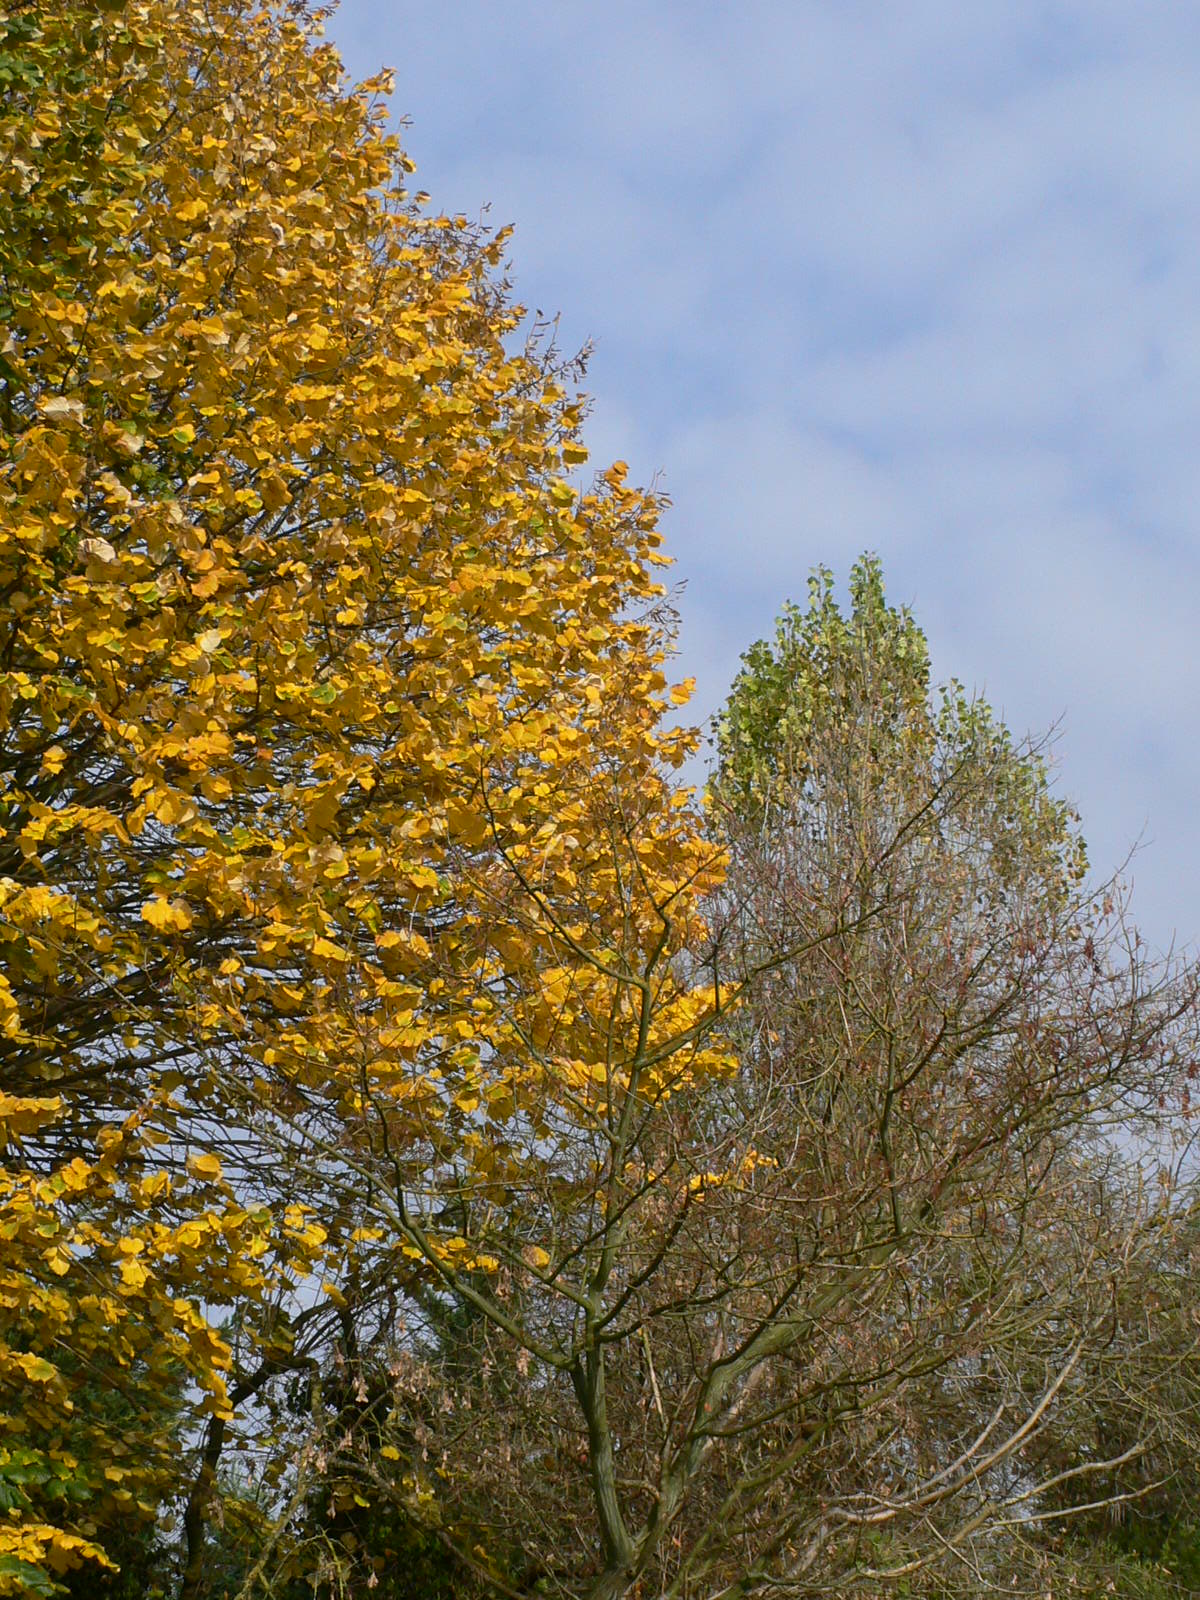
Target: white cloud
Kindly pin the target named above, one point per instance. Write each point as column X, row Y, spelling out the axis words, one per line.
column 920, row 278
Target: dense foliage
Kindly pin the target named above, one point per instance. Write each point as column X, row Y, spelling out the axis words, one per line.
column 319, row 682
column 441, row 1155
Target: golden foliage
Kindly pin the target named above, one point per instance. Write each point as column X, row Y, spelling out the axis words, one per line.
column 332, row 764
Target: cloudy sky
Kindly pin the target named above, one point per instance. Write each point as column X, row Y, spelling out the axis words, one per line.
column 920, row 278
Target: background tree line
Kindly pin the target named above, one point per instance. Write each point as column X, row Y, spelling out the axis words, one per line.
column 443, row 1153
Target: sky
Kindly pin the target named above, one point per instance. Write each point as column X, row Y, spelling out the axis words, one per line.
column 922, row 279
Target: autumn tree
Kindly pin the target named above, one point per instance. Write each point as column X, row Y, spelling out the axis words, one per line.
column 829, row 1304
column 961, row 1096
column 337, row 813
column 1138, row 1529
column 399, row 1116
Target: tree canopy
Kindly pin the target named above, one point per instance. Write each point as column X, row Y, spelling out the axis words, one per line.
column 440, row 1148
column 970, row 1081
column 322, row 688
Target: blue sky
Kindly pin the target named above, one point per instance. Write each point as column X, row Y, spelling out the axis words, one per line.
column 918, row 278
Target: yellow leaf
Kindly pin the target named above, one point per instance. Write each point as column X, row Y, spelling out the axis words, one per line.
column 20, row 1115
column 35, row 1368
column 328, row 951
column 58, row 408
column 273, row 492
column 97, row 549
column 133, row 1274
column 169, row 916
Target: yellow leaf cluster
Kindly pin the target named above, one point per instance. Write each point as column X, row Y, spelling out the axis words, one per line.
column 334, row 771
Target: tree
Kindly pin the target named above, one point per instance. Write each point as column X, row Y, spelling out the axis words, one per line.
column 956, row 1090
column 396, row 1108
column 1142, row 1402
column 833, row 1313
column 314, row 664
